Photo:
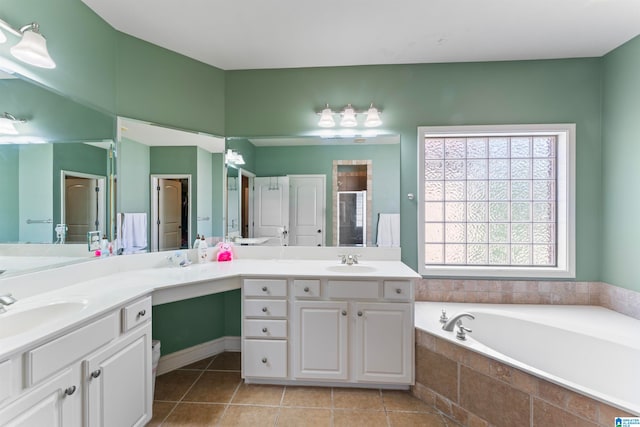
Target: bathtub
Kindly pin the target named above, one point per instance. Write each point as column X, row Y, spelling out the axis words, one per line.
column 591, row 350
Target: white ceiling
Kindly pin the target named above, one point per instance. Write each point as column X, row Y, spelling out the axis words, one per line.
column 253, row 34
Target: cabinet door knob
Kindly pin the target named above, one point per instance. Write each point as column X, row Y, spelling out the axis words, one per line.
column 265, row 289
column 306, row 289
column 142, row 313
column 264, row 330
column 70, row 390
column 344, row 312
column 96, row 373
column 264, row 309
column 398, row 291
column 264, row 360
column 359, row 314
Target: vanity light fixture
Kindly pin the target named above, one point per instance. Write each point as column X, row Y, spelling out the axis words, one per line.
column 7, row 124
column 349, row 117
column 32, row 46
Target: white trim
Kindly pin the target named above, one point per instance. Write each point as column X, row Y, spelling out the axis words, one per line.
column 190, row 355
column 566, row 268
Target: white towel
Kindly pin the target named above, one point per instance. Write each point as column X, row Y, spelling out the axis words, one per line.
column 388, row 230
column 133, row 232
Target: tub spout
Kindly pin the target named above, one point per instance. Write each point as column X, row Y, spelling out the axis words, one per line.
column 456, row 320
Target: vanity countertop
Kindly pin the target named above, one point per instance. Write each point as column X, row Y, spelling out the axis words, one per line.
column 72, row 287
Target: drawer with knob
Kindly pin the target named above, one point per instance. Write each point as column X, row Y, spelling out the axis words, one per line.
column 265, row 358
column 306, row 288
column 265, row 287
column 397, row 290
column 264, row 328
column 136, row 313
column 265, row 308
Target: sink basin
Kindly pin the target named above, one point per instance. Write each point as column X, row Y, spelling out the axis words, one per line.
column 354, row 269
column 18, row 321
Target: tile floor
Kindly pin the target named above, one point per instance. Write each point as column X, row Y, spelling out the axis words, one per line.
column 211, row 392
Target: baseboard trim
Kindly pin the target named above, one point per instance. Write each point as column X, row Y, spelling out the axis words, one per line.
column 189, row 355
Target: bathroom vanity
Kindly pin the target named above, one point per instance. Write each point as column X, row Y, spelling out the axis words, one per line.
column 75, row 349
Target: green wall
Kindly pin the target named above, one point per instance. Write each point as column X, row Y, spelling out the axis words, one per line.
column 621, row 170
column 9, row 212
column 283, row 102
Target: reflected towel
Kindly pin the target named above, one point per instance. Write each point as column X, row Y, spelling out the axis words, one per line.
column 133, row 235
column 388, row 230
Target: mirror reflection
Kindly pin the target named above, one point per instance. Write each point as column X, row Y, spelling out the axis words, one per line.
column 296, row 191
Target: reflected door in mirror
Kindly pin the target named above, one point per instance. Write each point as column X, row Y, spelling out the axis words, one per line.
column 170, row 214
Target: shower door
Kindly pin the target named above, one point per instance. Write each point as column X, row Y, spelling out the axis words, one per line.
column 352, row 214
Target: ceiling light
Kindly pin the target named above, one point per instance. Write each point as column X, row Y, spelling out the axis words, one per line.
column 373, row 117
column 348, row 117
column 7, row 124
column 326, row 118
column 32, row 46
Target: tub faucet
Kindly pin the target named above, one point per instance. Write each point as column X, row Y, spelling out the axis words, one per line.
column 5, row 300
column 456, row 321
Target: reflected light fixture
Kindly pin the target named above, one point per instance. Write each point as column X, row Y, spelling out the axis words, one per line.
column 7, row 124
column 3, row 38
column 373, row 117
column 32, row 46
column 326, row 118
column 233, row 158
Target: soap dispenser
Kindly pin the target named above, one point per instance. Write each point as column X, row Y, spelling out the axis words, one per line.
column 196, row 242
column 202, row 250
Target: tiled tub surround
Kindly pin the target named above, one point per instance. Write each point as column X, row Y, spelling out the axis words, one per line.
column 530, row 292
column 476, row 386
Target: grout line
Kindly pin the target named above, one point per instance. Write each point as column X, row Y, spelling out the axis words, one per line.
column 226, row 406
column 175, row 405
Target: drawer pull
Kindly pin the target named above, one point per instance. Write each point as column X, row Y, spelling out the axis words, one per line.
column 96, row 373
column 344, row 312
column 306, row 289
column 359, row 314
column 70, row 390
column 265, row 289
column 265, row 309
column 264, row 330
column 398, row 291
column 264, row 360
column 142, row 313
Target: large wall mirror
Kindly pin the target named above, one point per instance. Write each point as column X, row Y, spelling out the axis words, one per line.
column 170, row 186
column 307, row 191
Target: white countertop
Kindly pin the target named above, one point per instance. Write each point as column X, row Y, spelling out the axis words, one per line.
column 122, row 279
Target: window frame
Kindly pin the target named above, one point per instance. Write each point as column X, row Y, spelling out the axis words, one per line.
column 566, row 173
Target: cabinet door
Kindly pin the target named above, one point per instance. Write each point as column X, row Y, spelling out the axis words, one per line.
column 118, row 379
column 384, row 342
column 320, row 346
column 54, row 403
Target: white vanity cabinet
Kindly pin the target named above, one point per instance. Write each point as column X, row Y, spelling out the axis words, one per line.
column 355, row 331
column 98, row 374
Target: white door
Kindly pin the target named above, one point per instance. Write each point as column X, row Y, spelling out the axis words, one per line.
column 271, row 208
column 384, row 346
column 80, row 208
column 119, row 383
column 320, row 340
column 169, row 214
column 307, row 213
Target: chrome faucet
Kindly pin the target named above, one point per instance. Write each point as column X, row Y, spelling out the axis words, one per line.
column 456, row 321
column 348, row 259
column 5, row 300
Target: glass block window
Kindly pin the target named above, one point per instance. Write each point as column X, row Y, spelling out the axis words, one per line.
column 495, row 202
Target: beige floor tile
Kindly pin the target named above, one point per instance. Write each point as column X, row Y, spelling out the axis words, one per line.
column 250, row 416
column 395, row 400
column 258, row 394
column 227, row 361
column 214, row 387
column 308, row 397
column 406, row 419
column 348, row 418
column 194, row 415
column 357, row 399
column 200, row 364
column 294, row 417
column 160, row 412
column 173, row 385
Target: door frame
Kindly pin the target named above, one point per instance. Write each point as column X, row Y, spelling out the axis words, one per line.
column 250, row 176
column 153, row 221
column 102, row 200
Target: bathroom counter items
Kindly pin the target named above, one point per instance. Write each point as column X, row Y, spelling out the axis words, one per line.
column 58, row 300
